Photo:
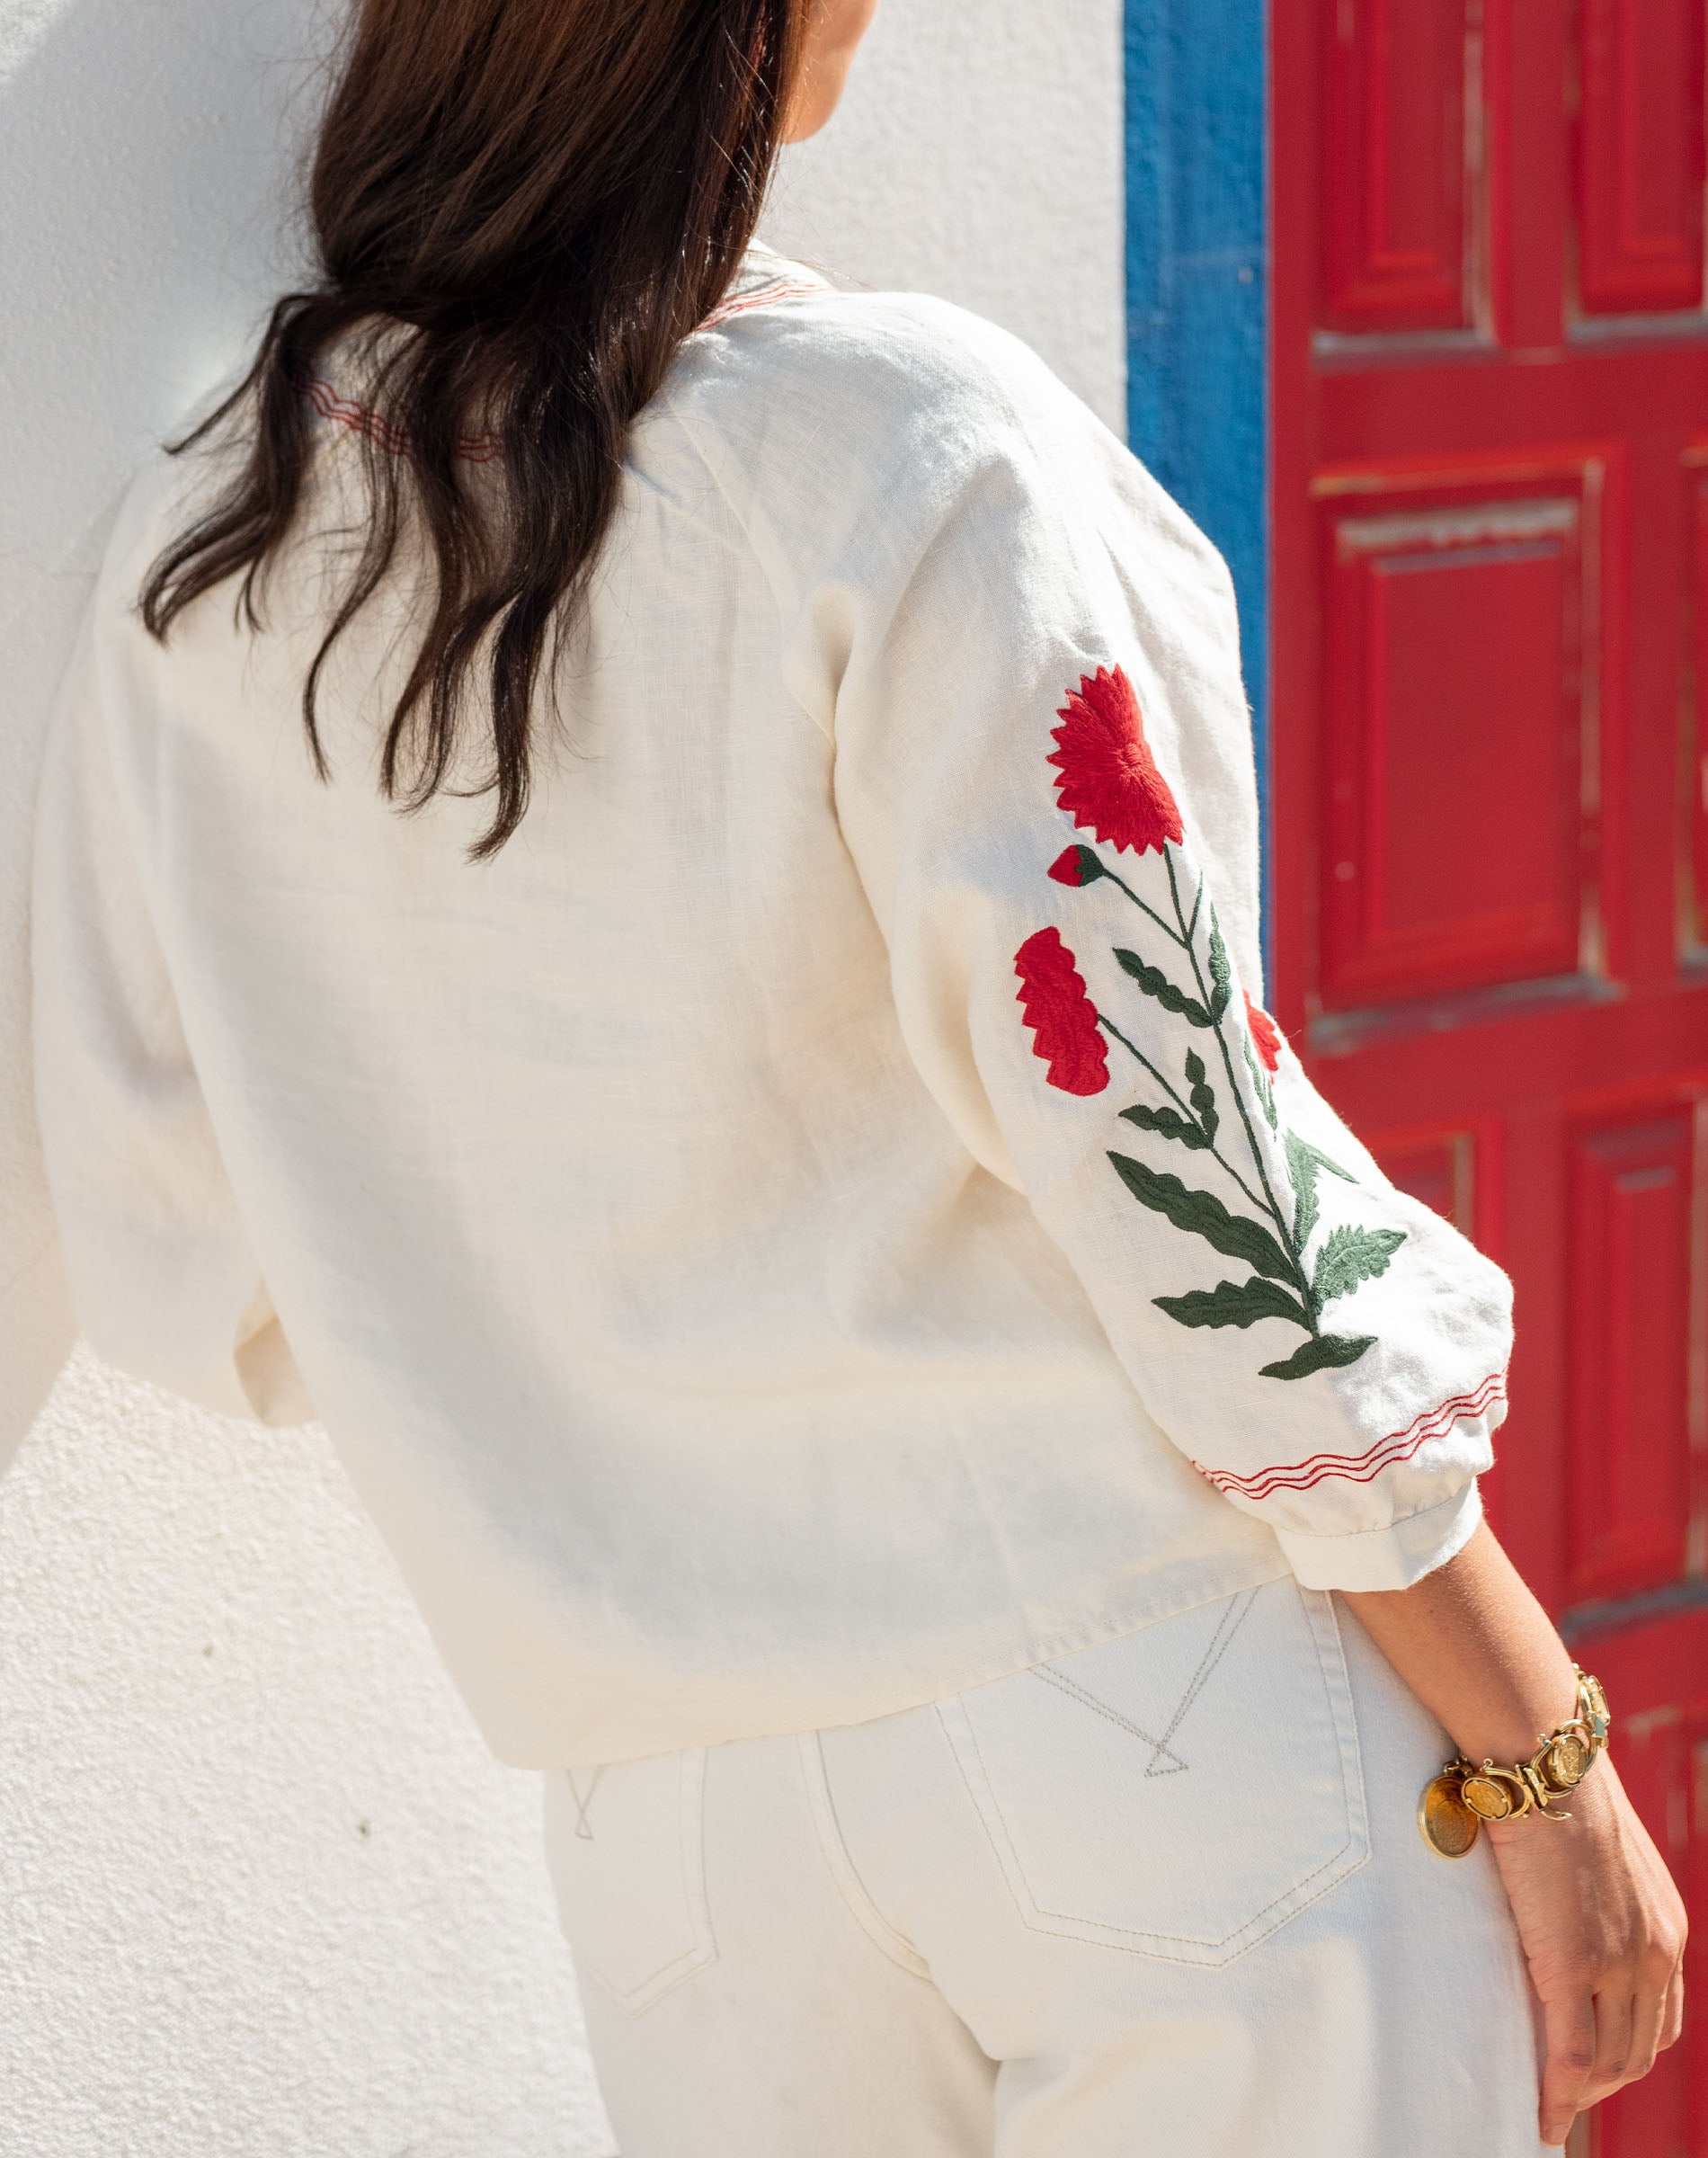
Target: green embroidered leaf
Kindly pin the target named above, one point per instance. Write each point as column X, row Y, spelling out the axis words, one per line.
column 1234, row 1304
column 1350, row 1255
column 1155, row 983
column 1220, row 973
column 1305, row 1210
column 1305, row 1164
column 1304, row 1151
column 1205, row 1216
column 1203, row 1095
column 1169, row 1123
column 1260, row 1080
column 1322, row 1352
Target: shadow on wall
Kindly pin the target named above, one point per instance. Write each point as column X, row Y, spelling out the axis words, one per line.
column 264, row 1890
column 146, row 146
column 143, row 150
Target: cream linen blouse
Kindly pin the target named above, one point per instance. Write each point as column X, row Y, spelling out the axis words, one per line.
column 822, row 1219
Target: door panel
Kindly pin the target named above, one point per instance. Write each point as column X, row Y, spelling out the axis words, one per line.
column 1630, row 1277
column 1396, row 216
column 1461, row 690
column 1693, row 705
column 1489, row 760
column 1439, row 1169
column 1639, row 158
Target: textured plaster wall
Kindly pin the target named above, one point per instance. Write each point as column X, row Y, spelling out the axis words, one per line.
column 979, row 155
column 261, row 1890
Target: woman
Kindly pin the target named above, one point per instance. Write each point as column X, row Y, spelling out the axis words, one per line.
column 886, row 1382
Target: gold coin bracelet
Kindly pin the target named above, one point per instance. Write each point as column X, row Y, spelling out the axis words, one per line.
column 1455, row 1803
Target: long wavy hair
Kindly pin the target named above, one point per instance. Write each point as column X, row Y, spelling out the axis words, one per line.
column 524, row 206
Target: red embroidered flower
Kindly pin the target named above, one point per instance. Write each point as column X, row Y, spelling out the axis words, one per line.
column 1108, row 779
column 1054, row 1005
column 1077, row 866
column 1264, row 1032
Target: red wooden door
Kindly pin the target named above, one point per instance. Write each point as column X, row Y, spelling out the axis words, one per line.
column 1489, row 610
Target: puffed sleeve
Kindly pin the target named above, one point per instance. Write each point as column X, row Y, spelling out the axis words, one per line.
column 1043, row 772
column 162, row 1279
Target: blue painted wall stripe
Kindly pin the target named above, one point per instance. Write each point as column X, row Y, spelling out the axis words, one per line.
column 1197, row 286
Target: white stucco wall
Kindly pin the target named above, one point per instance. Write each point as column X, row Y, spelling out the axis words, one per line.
column 261, row 1890
column 978, row 155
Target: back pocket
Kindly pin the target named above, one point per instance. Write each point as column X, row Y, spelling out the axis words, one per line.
column 1180, row 1792
column 625, row 1848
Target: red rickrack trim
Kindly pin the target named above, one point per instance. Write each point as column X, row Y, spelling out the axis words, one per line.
column 1361, row 1469
column 760, row 298
column 361, row 419
column 330, row 402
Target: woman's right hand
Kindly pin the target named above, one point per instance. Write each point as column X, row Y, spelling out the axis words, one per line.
column 1603, row 1930
column 1601, row 1924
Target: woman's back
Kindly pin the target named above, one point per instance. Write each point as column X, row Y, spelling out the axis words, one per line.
column 704, row 1373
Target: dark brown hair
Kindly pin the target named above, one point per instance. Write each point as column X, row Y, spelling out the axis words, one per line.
column 540, row 199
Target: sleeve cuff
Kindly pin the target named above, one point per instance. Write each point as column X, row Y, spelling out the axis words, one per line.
column 1385, row 1559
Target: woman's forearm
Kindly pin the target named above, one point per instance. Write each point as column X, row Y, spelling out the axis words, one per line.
column 1601, row 1924
column 1477, row 1649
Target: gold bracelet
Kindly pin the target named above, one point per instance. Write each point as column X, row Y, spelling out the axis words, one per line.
column 1455, row 1803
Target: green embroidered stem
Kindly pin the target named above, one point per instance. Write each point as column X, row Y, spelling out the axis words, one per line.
column 1143, row 907
column 1269, row 1199
column 1109, row 1027
column 1215, row 1153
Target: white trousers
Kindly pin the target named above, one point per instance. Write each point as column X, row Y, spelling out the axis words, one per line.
column 1166, row 1896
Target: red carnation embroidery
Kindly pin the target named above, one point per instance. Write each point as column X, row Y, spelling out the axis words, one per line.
column 1264, row 1032
column 1054, row 1005
column 1107, row 780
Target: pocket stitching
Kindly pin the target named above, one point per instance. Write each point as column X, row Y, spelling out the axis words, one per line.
column 702, row 1949
column 960, row 1735
column 840, row 1863
column 1104, row 1926
column 1221, row 1641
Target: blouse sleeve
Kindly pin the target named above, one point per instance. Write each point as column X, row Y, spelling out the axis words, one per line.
column 162, row 1278
column 1043, row 774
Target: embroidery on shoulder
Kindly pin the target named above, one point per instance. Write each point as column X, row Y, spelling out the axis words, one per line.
column 330, row 402
column 762, row 296
column 1108, row 783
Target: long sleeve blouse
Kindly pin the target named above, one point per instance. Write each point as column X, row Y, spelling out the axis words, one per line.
column 823, row 1219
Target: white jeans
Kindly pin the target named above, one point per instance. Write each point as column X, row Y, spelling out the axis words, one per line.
column 1166, row 1896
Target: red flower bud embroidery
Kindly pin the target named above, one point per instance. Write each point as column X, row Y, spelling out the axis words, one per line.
column 1077, row 866
column 1054, row 1005
column 1108, row 780
column 1265, row 1033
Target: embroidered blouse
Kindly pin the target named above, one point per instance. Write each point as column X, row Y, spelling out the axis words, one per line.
column 822, row 1219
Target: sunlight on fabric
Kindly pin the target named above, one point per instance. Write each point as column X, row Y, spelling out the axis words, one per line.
column 23, row 24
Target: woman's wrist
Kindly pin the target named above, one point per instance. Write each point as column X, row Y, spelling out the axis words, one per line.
column 1516, row 1704
column 1476, row 1647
